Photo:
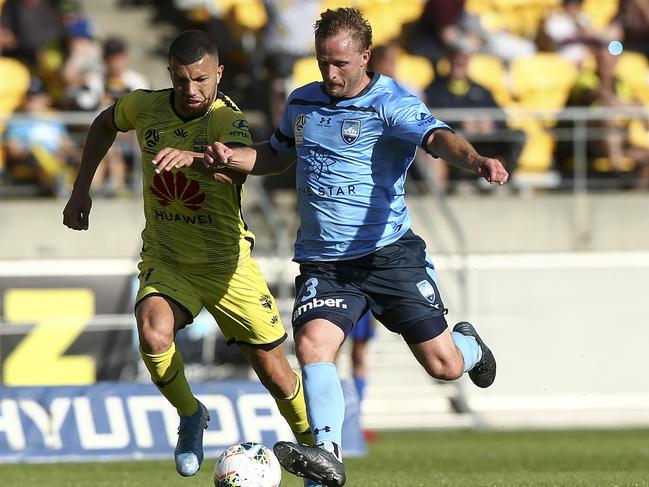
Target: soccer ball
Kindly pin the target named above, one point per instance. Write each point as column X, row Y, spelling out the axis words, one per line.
column 247, row 464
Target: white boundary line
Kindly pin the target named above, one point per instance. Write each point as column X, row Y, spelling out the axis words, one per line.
column 275, row 265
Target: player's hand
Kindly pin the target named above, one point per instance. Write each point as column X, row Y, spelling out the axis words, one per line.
column 170, row 158
column 217, row 156
column 493, row 170
column 75, row 214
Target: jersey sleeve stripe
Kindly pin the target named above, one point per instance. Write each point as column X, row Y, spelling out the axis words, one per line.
column 284, row 139
column 427, row 135
column 112, row 118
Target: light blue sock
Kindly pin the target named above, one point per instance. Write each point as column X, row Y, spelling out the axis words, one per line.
column 469, row 349
column 360, row 382
column 325, row 405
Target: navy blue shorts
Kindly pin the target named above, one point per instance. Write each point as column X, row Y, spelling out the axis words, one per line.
column 397, row 283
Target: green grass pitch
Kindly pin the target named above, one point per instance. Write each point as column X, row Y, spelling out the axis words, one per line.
column 412, row 459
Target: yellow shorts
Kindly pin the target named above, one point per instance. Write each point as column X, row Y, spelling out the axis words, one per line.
column 240, row 302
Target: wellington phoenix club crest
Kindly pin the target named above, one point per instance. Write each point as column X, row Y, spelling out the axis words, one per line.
column 350, row 130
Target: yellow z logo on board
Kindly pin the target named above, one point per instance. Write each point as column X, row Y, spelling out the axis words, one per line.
column 60, row 315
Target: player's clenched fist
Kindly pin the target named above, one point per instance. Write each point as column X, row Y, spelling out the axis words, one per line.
column 493, row 171
column 75, row 213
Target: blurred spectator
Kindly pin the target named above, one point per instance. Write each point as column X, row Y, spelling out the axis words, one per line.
column 632, row 22
column 384, row 60
column 569, row 32
column 491, row 137
column 117, row 79
column 445, row 24
column 362, row 332
column 287, row 36
column 600, row 86
column 82, row 66
column 26, row 27
column 39, row 150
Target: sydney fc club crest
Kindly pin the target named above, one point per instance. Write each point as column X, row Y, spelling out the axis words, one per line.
column 300, row 122
column 350, row 130
column 427, row 290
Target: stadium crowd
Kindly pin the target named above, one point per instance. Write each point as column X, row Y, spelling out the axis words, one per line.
column 455, row 54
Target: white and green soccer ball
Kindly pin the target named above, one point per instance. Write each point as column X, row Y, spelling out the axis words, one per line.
column 247, row 464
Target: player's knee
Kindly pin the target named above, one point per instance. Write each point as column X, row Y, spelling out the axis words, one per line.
column 309, row 350
column 154, row 337
column 318, row 342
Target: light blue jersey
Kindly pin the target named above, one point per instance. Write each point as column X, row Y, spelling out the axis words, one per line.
column 352, row 158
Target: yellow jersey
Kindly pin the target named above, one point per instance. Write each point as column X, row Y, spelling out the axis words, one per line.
column 193, row 222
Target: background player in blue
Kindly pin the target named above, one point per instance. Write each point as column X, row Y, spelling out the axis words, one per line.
column 354, row 136
column 360, row 335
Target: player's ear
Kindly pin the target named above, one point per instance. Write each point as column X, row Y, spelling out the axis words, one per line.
column 366, row 56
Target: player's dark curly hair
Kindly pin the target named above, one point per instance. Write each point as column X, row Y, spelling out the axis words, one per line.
column 333, row 22
column 191, row 46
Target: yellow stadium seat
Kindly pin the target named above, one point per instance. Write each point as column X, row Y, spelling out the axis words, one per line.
column 250, row 14
column 478, row 7
column 489, row 71
column 415, row 71
column 542, row 81
column 408, row 11
column 601, row 12
column 388, row 16
column 305, row 70
column 633, row 68
column 13, row 87
column 604, row 164
column 386, row 26
column 15, row 81
column 335, row 4
column 638, row 133
column 538, row 151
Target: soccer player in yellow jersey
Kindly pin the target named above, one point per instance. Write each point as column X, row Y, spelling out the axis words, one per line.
column 196, row 246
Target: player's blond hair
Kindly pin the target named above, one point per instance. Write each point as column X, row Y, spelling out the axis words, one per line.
column 333, row 22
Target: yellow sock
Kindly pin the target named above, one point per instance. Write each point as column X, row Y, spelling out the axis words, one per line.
column 168, row 374
column 293, row 409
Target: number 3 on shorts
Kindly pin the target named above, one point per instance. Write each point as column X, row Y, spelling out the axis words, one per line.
column 310, row 290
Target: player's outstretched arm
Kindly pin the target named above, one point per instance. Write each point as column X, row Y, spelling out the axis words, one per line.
column 257, row 159
column 101, row 136
column 170, row 158
column 458, row 152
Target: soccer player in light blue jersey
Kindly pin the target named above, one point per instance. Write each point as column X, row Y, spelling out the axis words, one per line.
column 353, row 137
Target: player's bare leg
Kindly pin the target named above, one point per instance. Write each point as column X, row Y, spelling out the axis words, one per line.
column 449, row 355
column 285, row 386
column 439, row 356
column 158, row 321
